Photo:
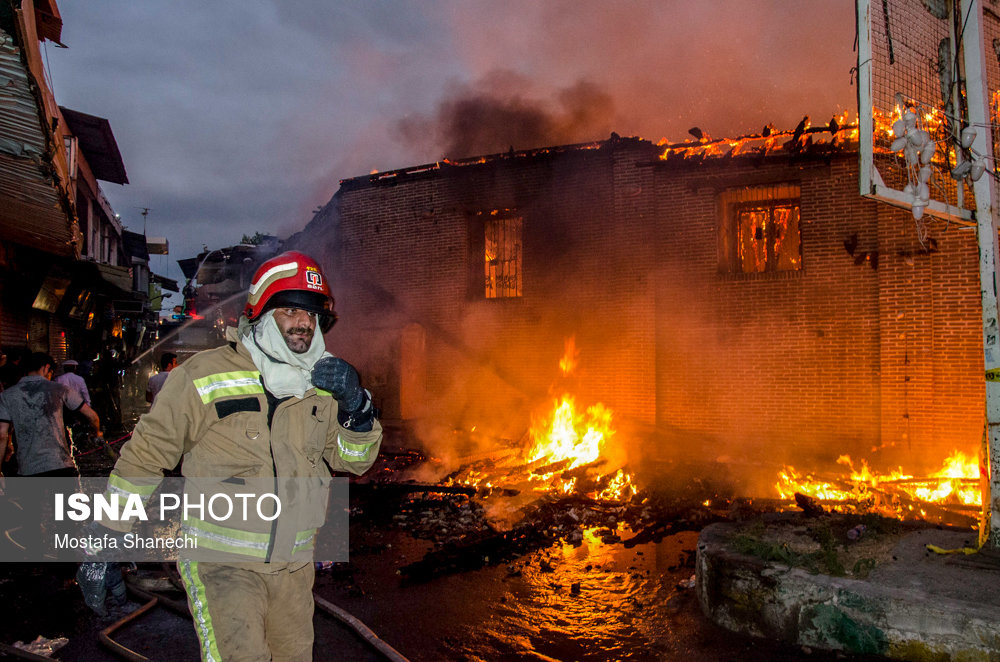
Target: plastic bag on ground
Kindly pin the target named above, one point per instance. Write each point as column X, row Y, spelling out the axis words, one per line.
column 42, row 645
column 91, row 578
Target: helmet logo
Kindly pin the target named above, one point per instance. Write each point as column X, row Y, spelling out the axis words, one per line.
column 314, row 279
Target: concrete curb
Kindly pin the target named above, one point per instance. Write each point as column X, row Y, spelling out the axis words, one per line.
column 916, row 608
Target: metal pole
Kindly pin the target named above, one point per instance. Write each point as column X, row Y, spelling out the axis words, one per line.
column 865, row 100
column 985, row 190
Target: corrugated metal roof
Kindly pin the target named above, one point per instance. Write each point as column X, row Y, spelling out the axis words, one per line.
column 32, row 209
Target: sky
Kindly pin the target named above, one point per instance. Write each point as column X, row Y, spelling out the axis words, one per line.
column 237, row 117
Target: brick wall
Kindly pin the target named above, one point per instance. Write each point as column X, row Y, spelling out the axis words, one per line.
column 931, row 338
column 765, row 365
column 621, row 252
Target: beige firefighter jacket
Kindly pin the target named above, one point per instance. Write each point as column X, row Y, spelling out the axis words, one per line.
column 212, row 413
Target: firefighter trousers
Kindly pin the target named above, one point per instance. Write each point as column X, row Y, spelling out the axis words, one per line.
column 246, row 616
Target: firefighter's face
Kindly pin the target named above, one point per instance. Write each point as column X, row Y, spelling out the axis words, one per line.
column 297, row 327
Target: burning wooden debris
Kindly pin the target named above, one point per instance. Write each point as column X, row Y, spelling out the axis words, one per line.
column 461, row 520
column 561, row 482
column 950, row 495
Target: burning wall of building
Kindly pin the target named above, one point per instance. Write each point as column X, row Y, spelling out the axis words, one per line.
column 863, row 343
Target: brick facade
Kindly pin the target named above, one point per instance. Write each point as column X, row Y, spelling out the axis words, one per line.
column 875, row 350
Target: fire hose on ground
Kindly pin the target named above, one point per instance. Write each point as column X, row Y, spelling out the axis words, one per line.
column 360, row 628
column 151, row 600
column 106, row 446
column 114, row 646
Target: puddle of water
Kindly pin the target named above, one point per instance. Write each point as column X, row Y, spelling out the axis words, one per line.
column 593, row 601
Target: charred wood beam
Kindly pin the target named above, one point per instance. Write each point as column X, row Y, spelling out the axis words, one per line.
column 810, row 506
column 583, row 469
column 549, row 520
column 406, row 454
column 660, row 529
column 551, row 468
column 673, row 521
column 880, row 499
column 494, row 548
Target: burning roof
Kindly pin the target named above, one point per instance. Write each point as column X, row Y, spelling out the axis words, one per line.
column 837, row 136
column 804, row 139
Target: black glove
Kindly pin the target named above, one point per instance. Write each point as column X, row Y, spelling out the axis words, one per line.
column 355, row 411
column 341, row 379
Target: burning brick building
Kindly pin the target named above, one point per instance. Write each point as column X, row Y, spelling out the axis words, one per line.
column 728, row 299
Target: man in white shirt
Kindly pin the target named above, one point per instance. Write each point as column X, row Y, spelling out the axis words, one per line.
column 73, row 380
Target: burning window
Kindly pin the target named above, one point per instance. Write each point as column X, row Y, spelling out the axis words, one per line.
column 761, row 229
column 503, row 255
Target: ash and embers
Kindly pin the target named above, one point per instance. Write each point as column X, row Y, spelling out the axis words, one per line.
column 469, row 528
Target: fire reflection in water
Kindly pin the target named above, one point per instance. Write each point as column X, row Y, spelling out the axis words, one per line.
column 591, row 601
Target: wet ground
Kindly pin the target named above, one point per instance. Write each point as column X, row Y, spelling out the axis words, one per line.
column 576, row 588
column 589, row 601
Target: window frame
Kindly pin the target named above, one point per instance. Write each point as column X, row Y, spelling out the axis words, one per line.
column 733, row 203
column 483, row 285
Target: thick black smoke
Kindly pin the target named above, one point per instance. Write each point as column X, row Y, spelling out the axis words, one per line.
column 492, row 116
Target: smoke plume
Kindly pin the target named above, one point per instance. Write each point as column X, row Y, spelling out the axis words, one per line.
column 493, row 115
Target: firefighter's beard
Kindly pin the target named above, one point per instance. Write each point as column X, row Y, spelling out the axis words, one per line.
column 284, row 370
column 298, row 339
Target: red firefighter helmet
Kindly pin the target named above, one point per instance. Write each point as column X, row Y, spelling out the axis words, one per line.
column 291, row 280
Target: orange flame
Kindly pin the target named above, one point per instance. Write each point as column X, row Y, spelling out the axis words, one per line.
column 562, row 439
column 840, row 133
column 570, row 439
column 958, row 468
column 571, row 436
column 620, row 485
column 570, row 356
column 955, row 483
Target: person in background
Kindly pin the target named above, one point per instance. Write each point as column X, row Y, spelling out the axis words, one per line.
column 73, row 380
column 34, row 407
column 168, row 361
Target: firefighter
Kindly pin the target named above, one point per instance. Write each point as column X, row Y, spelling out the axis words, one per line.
column 259, row 406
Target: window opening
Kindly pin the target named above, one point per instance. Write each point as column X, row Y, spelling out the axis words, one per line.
column 503, row 256
column 761, row 230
